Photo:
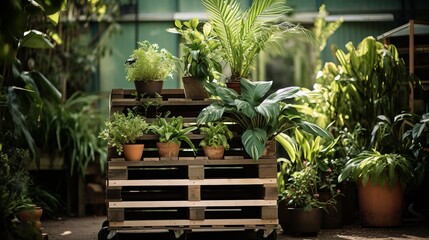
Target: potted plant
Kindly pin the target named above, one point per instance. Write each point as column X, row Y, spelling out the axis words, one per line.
column 201, row 56
column 215, row 141
column 381, row 181
column 171, row 133
column 148, row 66
column 122, row 132
column 243, row 34
column 260, row 116
column 300, row 209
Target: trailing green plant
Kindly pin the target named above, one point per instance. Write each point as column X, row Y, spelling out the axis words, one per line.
column 171, row 129
column 123, row 129
column 201, row 49
column 149, row 63
column 380, row 169
column 215, row 134
column 260, row 116
column 243, row 34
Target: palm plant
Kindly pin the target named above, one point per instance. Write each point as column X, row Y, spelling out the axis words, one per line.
column 243, row 34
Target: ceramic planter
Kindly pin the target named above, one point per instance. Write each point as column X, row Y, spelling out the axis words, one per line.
column 214, row 152
column 31, row 216
column 194, row 89
column 234, row 85
column 380, row 206
column 149, row 88
column 296, row 221
column 133, row 152
column 168, row 149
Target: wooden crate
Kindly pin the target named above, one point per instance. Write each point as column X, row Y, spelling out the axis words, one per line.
column 189, row 192
column 192, row 193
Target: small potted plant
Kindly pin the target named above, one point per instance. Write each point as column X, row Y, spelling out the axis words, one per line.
column 171, row 133
column 122, row 132
column 215, row 141
column 201, row 56
column 148, row 66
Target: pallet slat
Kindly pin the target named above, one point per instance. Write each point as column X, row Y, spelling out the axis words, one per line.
column 191, row 182
column 189, row 223
column 177, row 204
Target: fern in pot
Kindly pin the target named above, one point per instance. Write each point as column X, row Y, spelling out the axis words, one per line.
column 122, row 133
column 148, row 66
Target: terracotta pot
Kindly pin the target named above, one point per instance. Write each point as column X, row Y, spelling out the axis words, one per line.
column 31, row 216
column 133, row 152
column 194, row 89
column 380, row 206
column 296, row 221
column 234, row 85
column 214, row 152
column 270, row 150
column 149, row 88
column 332, row 215
column 168, row 149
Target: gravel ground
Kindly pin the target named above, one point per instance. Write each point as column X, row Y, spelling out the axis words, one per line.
column 86, row 228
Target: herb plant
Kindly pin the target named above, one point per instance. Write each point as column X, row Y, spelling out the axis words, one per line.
column 215, row 134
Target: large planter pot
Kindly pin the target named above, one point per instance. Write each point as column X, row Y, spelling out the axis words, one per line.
column 380, row 206
column 194, row 89
column 133, row 152
column 332, row 215
column 270, row 150
column 148, row 88
column 214, row 152
column 296, row 221
column 168, row 149
column 31, row 216
column 234, row 85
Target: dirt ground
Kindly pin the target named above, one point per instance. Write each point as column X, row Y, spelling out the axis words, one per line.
column 87, row 228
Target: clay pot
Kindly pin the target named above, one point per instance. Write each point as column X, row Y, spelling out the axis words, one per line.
column 296, row 221
column 31, row 216
column 133, row 152
column 168, row 149
column 214, row 152
column 235, row 85
column 380, row 206
column 149, row 88
column 194, row 88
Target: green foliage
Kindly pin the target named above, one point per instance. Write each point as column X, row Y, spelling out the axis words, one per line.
column 378, row 168
column 201, row 50
column 149, row 63
column 243, row 34
column 171, row 129
column 123, row 129
column 215, row 134
column 259, row 115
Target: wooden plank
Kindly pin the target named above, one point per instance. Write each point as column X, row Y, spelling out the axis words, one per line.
column 195, row 172
column 197, row 161
column 118, row 172
column 186, row 182
column 208, row 222
column 194, row 193
column 269, row 212
column 176, row 204
column 267, row 170
column 115, row 215
column 270, row 191
column 196, row 213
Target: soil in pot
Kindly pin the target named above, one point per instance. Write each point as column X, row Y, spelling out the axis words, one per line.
column 168, row 150
column 148, row 88
column 380, row 206
column 133, row 152
column 214, row 152
column 194, row 89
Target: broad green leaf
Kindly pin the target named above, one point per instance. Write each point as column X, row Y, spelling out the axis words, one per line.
column 254, row 141
column 210, row 114
column 288, row 145
column 254, row 91
column 35, row 39
column 246, row 108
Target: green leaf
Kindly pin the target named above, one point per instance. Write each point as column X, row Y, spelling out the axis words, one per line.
column 254, row 91
column 35, row 39
column 210, row 113
column 254, row 141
